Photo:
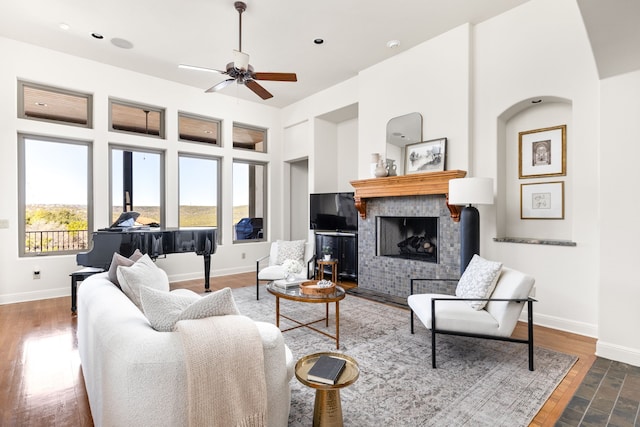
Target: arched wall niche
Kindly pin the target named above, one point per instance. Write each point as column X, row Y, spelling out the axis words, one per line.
column 530, row 114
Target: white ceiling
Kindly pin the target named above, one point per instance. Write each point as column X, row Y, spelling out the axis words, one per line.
column 277, row 34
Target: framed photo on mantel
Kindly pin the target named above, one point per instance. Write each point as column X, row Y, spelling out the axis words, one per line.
column 543, row 152
column 425, row 156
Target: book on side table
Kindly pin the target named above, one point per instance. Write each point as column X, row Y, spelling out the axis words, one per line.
column 326, row 370
column 286, row 284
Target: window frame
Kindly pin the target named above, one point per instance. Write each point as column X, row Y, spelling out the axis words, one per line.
column 131, row 104
column 265, row 186
column 162, row 161
column 219, row 208
column 218, row 122
column 22, row 84
column 22, row 137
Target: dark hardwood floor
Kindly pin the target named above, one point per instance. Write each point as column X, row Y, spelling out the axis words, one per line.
column 42, row 385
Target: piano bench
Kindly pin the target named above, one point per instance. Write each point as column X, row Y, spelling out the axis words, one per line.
column 79, row 276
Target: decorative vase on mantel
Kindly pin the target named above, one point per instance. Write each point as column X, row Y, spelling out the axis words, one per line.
column 381, row 169
column 391, row 167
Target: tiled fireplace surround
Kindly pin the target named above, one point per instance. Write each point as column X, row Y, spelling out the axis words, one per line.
column 391, row 276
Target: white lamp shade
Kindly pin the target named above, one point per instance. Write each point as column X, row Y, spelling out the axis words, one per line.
column 471, row 191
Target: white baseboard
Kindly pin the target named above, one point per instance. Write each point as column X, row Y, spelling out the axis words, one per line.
column 553, row 322
column 66, row 290
column 36, row 295
column 618, row 353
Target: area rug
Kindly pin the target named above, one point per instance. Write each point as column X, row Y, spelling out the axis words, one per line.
column 477, row 382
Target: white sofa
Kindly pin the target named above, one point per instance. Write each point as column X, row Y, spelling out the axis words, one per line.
column 136, row 376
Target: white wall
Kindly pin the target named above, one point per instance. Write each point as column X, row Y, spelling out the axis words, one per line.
column 540, row 49
column 431, row 79
column 23, row 61
column 619, row 152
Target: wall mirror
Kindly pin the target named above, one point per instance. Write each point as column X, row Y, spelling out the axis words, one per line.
column 401, row 131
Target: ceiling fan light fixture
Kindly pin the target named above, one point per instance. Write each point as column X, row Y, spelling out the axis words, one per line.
column 240, row 60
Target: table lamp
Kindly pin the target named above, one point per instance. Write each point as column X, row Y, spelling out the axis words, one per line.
column 467, row 192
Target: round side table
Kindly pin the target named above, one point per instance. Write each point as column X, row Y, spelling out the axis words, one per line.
column 333, row 263
column 327, row 410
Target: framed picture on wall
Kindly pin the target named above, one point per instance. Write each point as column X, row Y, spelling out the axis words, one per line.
column 425, row 156
column 543, row 152
column 542, row 200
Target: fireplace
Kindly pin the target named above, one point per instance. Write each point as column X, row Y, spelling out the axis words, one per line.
column 407, row 237
column 390, row 274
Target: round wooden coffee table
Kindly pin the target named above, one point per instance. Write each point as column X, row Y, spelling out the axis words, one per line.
column 294, row 294
column 327, row 410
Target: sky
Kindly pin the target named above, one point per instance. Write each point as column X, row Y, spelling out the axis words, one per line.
column 67, row 163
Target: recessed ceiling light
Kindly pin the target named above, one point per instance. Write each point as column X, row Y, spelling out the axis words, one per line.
column 64, row 26
column 536, row 101
column 318, row 41
column 393, row 43
column 41, row 104
column 121, row 43
column 97, row 36
column 208, row 131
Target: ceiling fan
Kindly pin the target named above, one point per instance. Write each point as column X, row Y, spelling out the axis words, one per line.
column 241, row 71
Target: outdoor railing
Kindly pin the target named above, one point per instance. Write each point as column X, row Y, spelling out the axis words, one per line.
column 55, row 241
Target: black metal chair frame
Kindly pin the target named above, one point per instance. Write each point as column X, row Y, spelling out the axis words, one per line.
column 435, row 330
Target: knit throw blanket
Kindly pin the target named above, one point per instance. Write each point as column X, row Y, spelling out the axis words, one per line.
column 225, row 372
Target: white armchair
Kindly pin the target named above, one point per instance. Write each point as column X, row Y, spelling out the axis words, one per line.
column 269, row 267
column 455, row 315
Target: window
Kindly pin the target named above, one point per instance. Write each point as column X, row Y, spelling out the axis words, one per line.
column 249, row 138
column 137, row 178
column 136, row 118
column 39, row 102
column 199, row 191
column 198, row 129
column 249, row 200
column 55, row 193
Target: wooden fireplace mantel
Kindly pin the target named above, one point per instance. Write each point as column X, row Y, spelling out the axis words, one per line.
column 419, row 184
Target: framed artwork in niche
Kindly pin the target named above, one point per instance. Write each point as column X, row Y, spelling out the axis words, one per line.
column 425, row 156
column 543, row 200
column 542, row 152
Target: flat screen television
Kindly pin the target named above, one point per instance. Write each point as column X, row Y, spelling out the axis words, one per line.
column 333, row 212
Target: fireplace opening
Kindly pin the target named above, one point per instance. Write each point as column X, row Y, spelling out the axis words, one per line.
column 414, row 238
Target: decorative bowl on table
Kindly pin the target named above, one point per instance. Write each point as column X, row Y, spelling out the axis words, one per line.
column 317, row 287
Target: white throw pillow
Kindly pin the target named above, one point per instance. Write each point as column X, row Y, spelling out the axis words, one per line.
column 143, row 273
column 118, row 260
column 165, row 309
column 293, row 249
column 478, row 280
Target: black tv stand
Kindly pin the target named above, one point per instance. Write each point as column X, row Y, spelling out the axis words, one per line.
column 344, row 248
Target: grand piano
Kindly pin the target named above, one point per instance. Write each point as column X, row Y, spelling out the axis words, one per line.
column 153, row 241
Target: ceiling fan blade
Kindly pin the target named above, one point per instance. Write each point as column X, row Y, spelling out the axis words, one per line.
column 257, row 89
column 196, row 68
column 220, row 85
column 279, row 77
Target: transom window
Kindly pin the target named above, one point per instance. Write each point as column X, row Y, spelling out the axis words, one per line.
column 194, row 128
column 136, row 118
column 46, row 103
column 249, row 137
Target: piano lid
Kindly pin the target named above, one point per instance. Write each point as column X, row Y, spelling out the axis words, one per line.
column 126, row 219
